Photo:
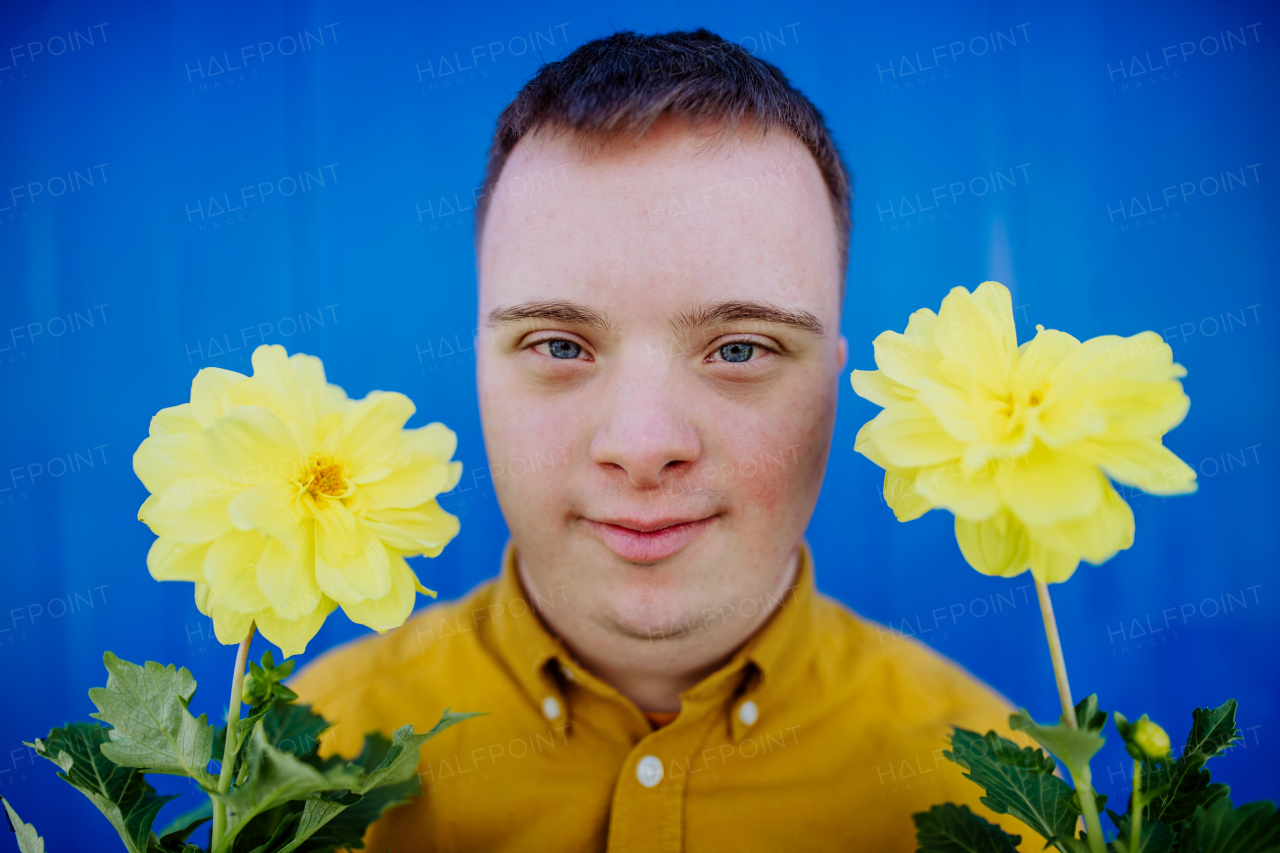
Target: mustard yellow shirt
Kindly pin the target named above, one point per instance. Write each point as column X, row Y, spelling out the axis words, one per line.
column 823, row 732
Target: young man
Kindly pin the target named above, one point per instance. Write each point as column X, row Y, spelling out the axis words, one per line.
column 661, row 255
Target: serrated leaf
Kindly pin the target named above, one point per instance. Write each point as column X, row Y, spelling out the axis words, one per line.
column 1183, row 785
column 382, row 764
column 347, row 829
column 184, row 824
column 294, row 729
column 120, row 793
column 401, row 760
column 1018, row 781
column 151, row 726
column 1073, row 747
column 1156, row 837
column 273, row 778
column 1088, row 717
column 949, row 828
column 1252, row 828
column 29, row 841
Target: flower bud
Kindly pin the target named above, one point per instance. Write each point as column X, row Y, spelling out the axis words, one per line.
column 1150, row 738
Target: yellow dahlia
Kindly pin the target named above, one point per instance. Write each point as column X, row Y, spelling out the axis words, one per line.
column 1019, row 441
column 280, row 498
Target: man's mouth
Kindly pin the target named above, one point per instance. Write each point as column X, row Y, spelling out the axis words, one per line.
column 640, row 541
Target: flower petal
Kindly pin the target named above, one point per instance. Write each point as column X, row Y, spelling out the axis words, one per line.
column 231, row 626
column 275, row 386
column 190, row 510
column 392, row 609
column 162, row 460
column 174, row 560
column 417, row 482
column 372, row 428
column 422, row 530
column 1141, row 462
column 908, row 436
column 230, row 570
column 877, row 387
column 252, row 445
column 271, row 510
column 967, row 492
column 996, row 546
column 911, row 358
column 293, row 634
column 175, row 420
column 1046, row 487
column 213, row 394
column 435, row 439
column 1039, row 356
column 287, row 577
column 1096, row 538
column 1051, row 566
column 977, row 329
column 350, row 578
column 907, row 504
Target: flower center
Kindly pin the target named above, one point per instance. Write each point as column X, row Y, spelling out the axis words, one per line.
column 325, row 478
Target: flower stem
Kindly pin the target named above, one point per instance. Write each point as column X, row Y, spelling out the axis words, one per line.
column 1135, row 822
column 1055, row 652
column 1079, row 774
column 230, row 747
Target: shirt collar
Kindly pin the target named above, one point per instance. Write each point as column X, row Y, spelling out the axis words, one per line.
column 525, row 643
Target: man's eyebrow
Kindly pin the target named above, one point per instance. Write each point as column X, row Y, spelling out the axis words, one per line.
column 560, row 311
column 736, row 311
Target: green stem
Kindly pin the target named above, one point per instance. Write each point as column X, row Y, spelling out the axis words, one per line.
column 1081, row 774
column 1135, row 823
column 230, row 747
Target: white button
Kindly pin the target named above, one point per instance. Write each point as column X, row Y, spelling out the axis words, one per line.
column 649, row 771
column 748, row 713
column 551, row 708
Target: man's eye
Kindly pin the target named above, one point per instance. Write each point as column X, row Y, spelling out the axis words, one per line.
column 738, row 351
column 563, row 349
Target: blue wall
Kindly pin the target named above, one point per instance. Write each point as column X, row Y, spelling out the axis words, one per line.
column 1137, row 145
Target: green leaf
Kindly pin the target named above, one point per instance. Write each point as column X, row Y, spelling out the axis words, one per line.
column 1252, row 828
column 120, row 793
column 1073, row 747
column 28, row 840
column 954, row 829
column 151, row 726
column 347, row 829
column 401, row 760
column 185, row 824
column 274, row 778
column 382, row 764
column 1179, row 787
column 1156, row 837
column 294, row 729
column 1018, row 781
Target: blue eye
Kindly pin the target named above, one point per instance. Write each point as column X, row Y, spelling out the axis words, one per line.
column 564, row 349
column 737, row 351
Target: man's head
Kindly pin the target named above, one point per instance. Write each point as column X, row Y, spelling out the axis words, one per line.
column 661, row 267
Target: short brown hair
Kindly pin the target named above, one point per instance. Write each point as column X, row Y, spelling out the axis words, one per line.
column 627, row 81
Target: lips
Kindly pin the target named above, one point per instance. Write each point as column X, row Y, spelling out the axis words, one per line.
column 647, row 542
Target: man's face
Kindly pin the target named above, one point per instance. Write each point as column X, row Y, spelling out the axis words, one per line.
column 658, row 373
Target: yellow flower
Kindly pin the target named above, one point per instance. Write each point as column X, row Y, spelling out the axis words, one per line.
column 280, row 498
column 1019, row 441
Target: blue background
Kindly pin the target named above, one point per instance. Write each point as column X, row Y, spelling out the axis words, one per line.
column 1087, row 134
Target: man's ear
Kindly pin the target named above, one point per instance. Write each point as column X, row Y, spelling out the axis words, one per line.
column 844, row 352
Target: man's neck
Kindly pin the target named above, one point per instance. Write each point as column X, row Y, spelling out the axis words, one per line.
column 653, row 672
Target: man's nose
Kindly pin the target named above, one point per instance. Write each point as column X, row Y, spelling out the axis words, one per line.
column 645, row 432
